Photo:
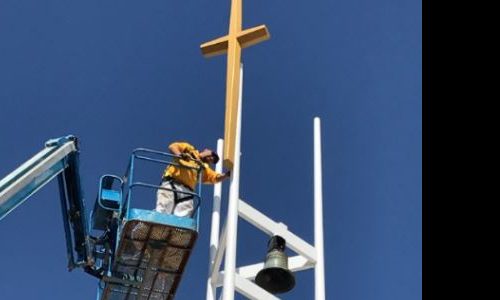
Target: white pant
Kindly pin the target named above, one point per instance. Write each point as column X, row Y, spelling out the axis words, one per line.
column 165, row 200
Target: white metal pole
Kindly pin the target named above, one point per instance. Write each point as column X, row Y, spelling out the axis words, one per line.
column 232, row 211
column 214, row 234
column 319, row 270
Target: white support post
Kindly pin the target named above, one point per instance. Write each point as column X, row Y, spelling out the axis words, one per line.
column 214, row 234
column 232, row 213
column 319, row 270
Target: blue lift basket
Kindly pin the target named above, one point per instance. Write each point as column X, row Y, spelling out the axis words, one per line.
column 139, row 254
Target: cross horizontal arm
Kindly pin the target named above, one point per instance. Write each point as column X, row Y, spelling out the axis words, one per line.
column 254, row 35
column 215, row 47
column 245, row 38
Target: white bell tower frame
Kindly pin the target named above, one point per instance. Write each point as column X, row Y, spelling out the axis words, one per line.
column 223, row 241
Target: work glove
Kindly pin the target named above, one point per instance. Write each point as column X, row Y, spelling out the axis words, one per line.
column 185, row 156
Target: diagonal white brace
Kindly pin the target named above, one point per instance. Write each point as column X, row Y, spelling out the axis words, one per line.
column 271, row 228
column 248, row 288
column 215, row 267
column 295, row 264
column 214, row 270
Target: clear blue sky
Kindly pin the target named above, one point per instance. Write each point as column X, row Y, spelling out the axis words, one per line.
column 127, row 74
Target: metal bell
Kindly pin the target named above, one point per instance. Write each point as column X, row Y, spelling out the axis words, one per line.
column 275, row 277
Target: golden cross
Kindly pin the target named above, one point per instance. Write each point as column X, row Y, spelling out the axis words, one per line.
column 232, row 44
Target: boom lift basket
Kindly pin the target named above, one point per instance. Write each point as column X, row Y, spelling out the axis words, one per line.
column 151, row 249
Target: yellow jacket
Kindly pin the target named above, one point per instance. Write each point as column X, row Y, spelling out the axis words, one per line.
column 188, row 176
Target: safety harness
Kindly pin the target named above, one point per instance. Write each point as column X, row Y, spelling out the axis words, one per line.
column 177, row 199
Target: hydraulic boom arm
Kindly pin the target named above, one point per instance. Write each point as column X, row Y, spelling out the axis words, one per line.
column 58, row 159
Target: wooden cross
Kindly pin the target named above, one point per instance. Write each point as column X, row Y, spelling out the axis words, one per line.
column 232, row 44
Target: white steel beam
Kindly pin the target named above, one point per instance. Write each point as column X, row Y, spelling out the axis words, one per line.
column 232, row 211
column 248, row 288
column 215, row 267
column 319, row 270
column 215, row 228
column 271, row 228
column 295, row 264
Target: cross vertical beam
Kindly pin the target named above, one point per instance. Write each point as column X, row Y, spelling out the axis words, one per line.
column 232, row 44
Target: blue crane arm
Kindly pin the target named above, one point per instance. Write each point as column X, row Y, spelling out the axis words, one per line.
column 59, row 158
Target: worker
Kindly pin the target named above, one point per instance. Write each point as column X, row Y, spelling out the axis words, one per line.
column 179, row 181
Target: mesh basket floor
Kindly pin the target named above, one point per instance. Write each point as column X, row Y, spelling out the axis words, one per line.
column 149, row 262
